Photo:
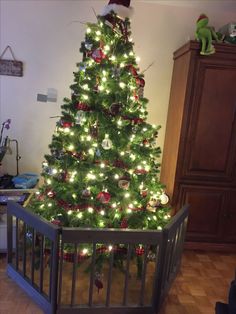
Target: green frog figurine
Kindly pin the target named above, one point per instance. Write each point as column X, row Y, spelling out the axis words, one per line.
column 205, row 34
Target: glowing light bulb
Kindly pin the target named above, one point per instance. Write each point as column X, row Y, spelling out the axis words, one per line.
column 79, row 215
column 110, row 247
column 41, row 206
column 127, row 195
column 71, row 147
column 129, row 210
column 104, row 79
column 54, row 171
column 116, row 176
column 102, row 165
column 74, row 195
column 122, row 65
column 91, row 151
column 131, row 53
column 122, row 153
column 90, row 210
column 88, row 30
column 85, row 251
column 49, row 181
column 69, row 212
column 122, row 85
column 102, row 212
column 101, row 223
column 89, row 138
column 49, row 204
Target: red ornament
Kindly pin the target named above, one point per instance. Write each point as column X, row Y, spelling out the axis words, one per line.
column 139, row 251
column 132, row 70
column 98, row 55
column 124, row 223
column 140, row 82
column 66, row 124
column 82, row 106
column 104, row 197
column 140, row 171
column 56, row 222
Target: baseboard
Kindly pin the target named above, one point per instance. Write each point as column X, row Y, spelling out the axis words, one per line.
column 207, row 246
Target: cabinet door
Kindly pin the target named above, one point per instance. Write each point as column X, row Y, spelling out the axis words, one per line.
column 205, row 212
column 210, row 152
column 229, row 221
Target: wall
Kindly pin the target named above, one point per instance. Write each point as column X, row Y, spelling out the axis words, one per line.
column 46, row 35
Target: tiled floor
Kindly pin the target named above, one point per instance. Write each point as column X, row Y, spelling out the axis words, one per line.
column 204, row 279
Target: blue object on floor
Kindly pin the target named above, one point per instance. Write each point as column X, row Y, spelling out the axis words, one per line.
column 25, row 180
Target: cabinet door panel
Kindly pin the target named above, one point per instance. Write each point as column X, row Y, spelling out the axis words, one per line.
column 229, row 225
column 211, row 140
column 205, row 213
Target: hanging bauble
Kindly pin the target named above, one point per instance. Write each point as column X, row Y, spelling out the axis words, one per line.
column 154, row 202
column 80, row 117
column 164, row 199
column 93, row 130
column 140, row 81
column 139, row 251
column 144, row 192
column 98, row 55
column 82, row 67
column 124, row 223
column 140, row 171
column 132, row 70
column 140, row 92
column 82, row 106
column 151, row 208
column 56, row 222
column 123, row 184
column 115, row 108
column 98, row 281
column 107, row 143
column 98, row 152
column 66, row 124
column 86, row 193
column 119, row 164
column 88, row 45
column 104, row 197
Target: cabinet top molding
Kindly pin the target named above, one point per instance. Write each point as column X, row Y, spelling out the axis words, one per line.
column 195, row 46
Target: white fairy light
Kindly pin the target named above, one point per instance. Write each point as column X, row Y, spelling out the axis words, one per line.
column 110, row 247
column 85, row 251
column 69, row 212
column 71, row 147
column 127, row 195
column 49, row 181
column 80, row 215
column 116, row 176
column 122, row 85
column 88, row 30
column 102, row 212
column 90, row 210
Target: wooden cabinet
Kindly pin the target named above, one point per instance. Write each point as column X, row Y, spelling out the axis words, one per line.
column 199, row 156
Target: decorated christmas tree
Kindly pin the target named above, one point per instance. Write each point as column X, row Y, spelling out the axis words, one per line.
column 102, row 170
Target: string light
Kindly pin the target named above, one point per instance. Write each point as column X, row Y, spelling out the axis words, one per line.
column 122, row 85
column 80, row 215
column 88, row 30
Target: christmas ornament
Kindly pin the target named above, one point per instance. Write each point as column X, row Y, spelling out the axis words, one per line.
column 104, row 197
column 98, row 152
column 56, row 222
column 140, row 92
column 82, row 67
column 98, row 281
column 123, row 184
column 88, row 45
column 66, row 124
column 151, row 256
column 82, row 106
column 140, row 81
column 144, row 192
column 93, row 130
column 119, row 164
column 80, row 117
column 115, row 108
column 124, row 223
column 132, row 70
column 139, row 251
column 98, row 55
column 120, row 7
column 107, row 143
column 86, row 193
column 164, row 199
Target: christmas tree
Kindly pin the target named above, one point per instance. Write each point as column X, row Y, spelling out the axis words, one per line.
column 102, row 170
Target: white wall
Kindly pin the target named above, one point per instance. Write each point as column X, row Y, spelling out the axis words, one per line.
column 46, row 35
